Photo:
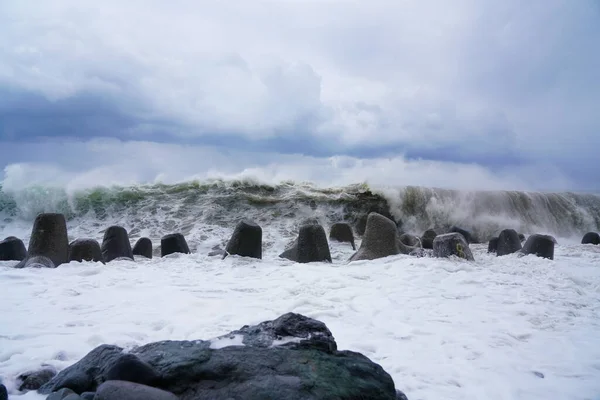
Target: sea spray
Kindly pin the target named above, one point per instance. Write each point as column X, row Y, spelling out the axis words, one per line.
column 202, row 208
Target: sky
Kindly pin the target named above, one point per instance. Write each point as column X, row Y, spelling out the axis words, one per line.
column 473, row 94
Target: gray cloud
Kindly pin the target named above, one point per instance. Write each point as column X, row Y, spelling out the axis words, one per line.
column 494, row 83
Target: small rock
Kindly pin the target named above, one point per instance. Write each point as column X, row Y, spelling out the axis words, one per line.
column 63, row 394
column 88, row 395
column 130, row 368
column 538, row 374
column 34, row 380
column 121, row 390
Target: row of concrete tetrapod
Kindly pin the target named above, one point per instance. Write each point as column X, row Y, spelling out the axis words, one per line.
column 49, row 247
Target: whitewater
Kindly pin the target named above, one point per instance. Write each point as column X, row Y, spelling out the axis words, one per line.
column 498, row 328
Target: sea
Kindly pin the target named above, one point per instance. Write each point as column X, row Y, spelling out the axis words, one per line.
column 498, row 328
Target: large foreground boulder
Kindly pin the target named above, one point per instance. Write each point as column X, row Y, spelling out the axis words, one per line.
column 116, row 244
column 342, row 232
column 310, row 246
column 427, row 239
column 380, row 239
column 143, row 247
column 48, row 239
column 12, row 249
column 293, row 357
column 591, row 238
column 173, row 243
column 3, row 392
column 246, row 240
column 540, row 245
column 508, row 242
column 85, row 250
column 452, row 244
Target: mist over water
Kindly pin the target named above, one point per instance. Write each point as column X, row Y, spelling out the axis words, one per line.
column 207, row 211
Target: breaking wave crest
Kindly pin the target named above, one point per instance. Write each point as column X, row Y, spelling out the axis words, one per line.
column 202, row 207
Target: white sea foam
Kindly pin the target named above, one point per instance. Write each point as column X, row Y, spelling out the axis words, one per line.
column 442, row 328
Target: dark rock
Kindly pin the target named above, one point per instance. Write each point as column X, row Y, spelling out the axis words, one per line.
column 85, row 250
column 34, row 380
column 310, row 246
column 538, row 374
column 88, row 395
column 48, row 239
column 63, row 394
column 493, row 245
column 12, row 249
column 293, row 357
column 466, row 234
column 380, row 239
column 427, row 239
column 143, row 247
column 173, row 243
column 591, row 238
column 342, row 232
column 508, row 242
column 36, row 262
column 408, row 243
column 400, row 395
column 540, row 245
column 3, row 392
column 246, row 240
column 87, row 373
column 116, row 244
column 130, row 368
column 521, row 237
column 122, row 390
column 452, row 244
